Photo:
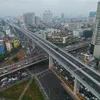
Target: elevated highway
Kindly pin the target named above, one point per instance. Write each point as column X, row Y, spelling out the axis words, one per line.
column 82, row 72
column 23, row 64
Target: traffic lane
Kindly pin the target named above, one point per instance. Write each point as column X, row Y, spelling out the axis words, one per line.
column 77, row 72
column 60, row 58
column 64, row 72
column 88, row 81
column 88, row 71
column 95, row 76
column 91, row 73
column 59, row 51
column 13, row 68
column 52, row 86
column 54, row 89
column 73, row 68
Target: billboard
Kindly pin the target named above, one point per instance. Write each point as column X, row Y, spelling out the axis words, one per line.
column 16, row 43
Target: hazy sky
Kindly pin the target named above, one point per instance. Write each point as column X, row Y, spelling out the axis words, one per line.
column 69, row 7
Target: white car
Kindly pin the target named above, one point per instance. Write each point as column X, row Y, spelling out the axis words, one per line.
column 4, row 79
column 14, row 79
column 9, row 80
column 66, row 78
column 5, row 71
column 24, row 74
column 19, row 65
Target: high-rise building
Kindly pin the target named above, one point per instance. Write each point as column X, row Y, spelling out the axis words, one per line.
column 47, row 16
column 95, row 44
column 21, row 19
column 37, row 20
column 29, row 18
column 62, row 17
column 92, row 16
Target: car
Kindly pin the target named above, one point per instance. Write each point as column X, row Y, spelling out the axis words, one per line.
column 24, row 74
column 26, row 63
column 66, row 78
column 14, row 79
column 45, row 56
column 19, row 65
column 56, row 48
column 13, row 68
column 5, row 71
column 4, row 79
column 3, row 84
column 9, row 80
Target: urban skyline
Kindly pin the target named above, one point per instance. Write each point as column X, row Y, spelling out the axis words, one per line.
column 69, row 8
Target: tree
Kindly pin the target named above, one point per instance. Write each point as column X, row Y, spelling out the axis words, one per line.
column 15, row 59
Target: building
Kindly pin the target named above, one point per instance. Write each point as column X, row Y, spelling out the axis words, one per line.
column 8, row 46
column 92, row 16
column 8, row 31
column 2, row 49
column 21, row 19
column 78, row 33
column 95, row 44
column 37, row 20
column 29, row 18
column 47, row 17
column 62, row 17
column 74, row 25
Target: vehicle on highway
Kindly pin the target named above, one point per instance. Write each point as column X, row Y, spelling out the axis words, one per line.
column 5, row 71
column 4, row 79
column 6, row 58
column 19, row 65
column 56, row 48
column 3, row 84
column 13, row 68
column 24, row 74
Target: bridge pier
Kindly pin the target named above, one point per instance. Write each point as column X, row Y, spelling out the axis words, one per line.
column 33, row 45
column 76, row 86
column 50, row 61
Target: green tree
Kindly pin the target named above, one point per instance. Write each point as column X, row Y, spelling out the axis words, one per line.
column 15, row 59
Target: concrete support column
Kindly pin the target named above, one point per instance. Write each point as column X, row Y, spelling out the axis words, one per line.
column 44, row 36
column 20, row 36
column 16, row 33
column 76, row 86
column 50, row 61
column 24, row 38
column 33, row 45
column 28, row 41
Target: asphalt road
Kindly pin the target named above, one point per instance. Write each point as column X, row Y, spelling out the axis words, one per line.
column 52, row 86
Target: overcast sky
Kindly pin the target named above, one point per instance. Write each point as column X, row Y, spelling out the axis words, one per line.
column 69, row 7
